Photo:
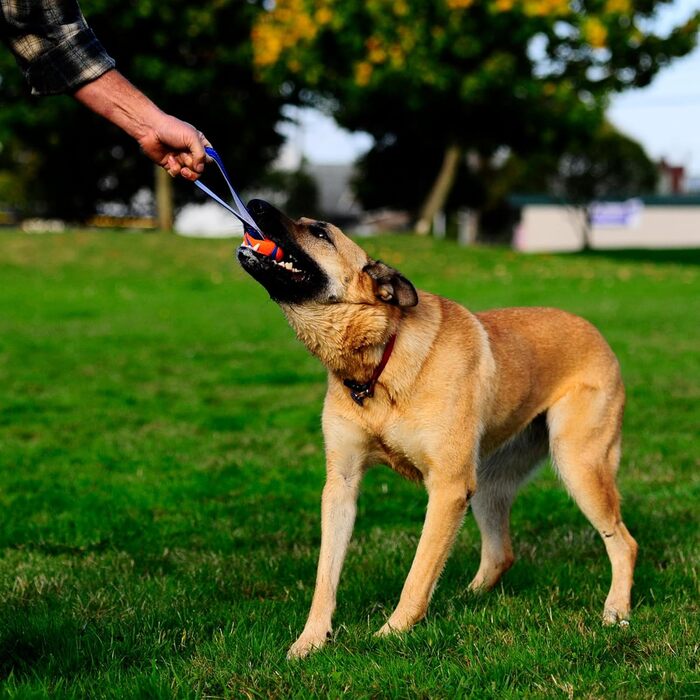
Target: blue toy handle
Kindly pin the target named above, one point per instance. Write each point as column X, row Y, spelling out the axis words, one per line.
column 238, row 209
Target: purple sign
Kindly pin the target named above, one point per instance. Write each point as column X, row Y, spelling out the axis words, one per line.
column 616, row 214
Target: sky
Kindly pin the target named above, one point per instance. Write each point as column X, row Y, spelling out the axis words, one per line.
column 664, row 117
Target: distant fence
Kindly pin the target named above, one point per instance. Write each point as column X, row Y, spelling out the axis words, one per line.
column 39, row 225
column 130, row 222
column 645, row 222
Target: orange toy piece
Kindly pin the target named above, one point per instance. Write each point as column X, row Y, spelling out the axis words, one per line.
column 263, row 246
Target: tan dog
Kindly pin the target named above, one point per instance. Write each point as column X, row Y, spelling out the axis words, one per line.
column 468, row 404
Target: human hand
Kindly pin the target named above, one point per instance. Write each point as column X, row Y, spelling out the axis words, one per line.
column 176, row 146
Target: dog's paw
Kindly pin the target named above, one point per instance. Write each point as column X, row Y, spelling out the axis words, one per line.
column 489, row 574
column 384, row 631
column 479, row 586
column 306, row 644
column 612, row 617
column 389, row 629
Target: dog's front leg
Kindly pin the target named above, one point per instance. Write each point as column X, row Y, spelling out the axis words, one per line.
column 345, row 454
column 338, row 509
column 447, row 504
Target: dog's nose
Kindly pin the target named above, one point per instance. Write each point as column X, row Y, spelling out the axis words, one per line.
column 267, row 215
column 258, row 206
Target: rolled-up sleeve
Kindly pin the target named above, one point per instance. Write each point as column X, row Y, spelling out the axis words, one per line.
column 53, row 45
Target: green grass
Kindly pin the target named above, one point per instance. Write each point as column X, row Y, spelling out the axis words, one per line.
column 161, row 466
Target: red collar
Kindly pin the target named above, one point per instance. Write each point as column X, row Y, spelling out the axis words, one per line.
column 359, row 392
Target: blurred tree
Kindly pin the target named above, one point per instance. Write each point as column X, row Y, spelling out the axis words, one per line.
column 193, row 59
column 293, row 191
column 438, row 80
column 608, row 165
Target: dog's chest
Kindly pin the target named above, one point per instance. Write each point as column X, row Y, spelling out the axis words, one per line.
column 400, row 448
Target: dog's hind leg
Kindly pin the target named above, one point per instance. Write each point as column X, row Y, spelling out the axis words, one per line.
column 499, row 477
column 585, row 439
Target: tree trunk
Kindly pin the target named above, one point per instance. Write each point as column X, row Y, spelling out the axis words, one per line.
column 587, row 230
column 164, row 200
column 440, row 190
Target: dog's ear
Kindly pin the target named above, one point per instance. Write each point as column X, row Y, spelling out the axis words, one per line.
column 391, row 286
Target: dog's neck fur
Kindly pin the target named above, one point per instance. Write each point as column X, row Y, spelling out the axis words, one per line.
column 349, row 339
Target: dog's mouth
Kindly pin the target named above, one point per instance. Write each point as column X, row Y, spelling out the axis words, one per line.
column 279, row 264
column 270, row 254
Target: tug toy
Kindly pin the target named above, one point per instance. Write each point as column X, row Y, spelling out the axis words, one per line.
column 253, row 237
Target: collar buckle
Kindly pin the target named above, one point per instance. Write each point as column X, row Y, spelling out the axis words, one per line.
column 360, row 391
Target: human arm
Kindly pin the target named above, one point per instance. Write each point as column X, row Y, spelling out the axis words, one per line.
column 59, row 53
column 171, row 143
column 52, row 44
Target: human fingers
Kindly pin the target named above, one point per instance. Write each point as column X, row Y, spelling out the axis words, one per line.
column 187, row 174
column 186, row 166
column 172, row 166
column 193, row 162
column 186, row 160
column 196, row 158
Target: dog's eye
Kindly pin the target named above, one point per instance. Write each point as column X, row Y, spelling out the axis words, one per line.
column 319, row 232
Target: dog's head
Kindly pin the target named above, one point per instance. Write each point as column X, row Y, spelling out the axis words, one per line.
column 320, row 265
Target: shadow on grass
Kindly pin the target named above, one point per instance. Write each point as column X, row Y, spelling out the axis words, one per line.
column 48, row 645
column 44, row 646
column 680, row 256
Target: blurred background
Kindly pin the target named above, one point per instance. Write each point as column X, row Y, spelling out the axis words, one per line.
column 542, row 124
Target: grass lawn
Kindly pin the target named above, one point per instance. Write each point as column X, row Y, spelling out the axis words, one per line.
column 161, row 467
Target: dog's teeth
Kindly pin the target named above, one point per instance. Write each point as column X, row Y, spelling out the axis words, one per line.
column 286, row 264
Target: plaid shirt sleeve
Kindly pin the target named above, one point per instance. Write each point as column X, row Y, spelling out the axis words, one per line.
column 52, row 43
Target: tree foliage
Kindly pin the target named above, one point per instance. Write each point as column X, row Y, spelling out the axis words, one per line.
column 193, row 59
column 422, row 76
column 608, row 165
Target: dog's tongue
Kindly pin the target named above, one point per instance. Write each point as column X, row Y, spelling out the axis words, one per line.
column 264, row 246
